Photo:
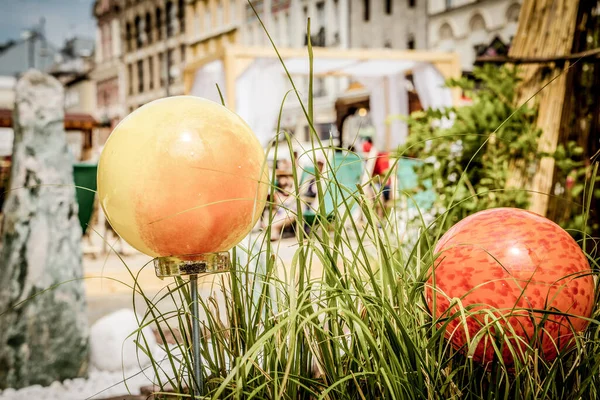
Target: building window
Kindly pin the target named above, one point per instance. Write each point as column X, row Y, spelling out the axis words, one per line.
column 388, row 7
column 148, row 27
column 106, row 36
column 446, row 38
column 232, row 11
column 207, row 17
column 338, row 21
column 320, row 15
column 367, row 10
column 478, row 36
column 150, row 73
column 162, row 68
column 446, row 32
column 277, row 37
column 319, row 89
column 448, row 3
column 138, row 32
column 71, row 98
column 169, row 11
column 288, row 27
column 130, row 77
column 250, row 40
column 101, row 96
column 182, row 52
column 103, row 93
column 170, row 63
column 196, row 24
column 410, row 43
column 181, row 15
column 512, row 14
column 220, row 13
column 140, row 72
column 477, row 24
column 412, row 3
column 128, row 36
column 158, row 24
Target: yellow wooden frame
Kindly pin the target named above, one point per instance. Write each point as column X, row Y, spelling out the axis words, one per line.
column 236, row 58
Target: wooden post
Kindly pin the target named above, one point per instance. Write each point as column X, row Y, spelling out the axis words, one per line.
column 451, row 70
column 229, row 61
column 546, row 29
column 188, row 80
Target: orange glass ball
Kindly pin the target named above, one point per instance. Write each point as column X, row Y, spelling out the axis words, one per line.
column 182, row 176
column 514, row 264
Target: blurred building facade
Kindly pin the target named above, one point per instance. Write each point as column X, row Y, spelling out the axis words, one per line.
column 109, row 73
column 7, row 91
column 72, row 67
column 70, row 64
column 286, row 22
column 31, row 51
column 212, row 24
column 142, row 45
column 154, row 49
column 397, row 24
column 468, row 27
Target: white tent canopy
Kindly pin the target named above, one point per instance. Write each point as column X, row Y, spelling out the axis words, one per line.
column 255, row 83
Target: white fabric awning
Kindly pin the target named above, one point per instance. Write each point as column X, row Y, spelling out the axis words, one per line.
column 262, row 84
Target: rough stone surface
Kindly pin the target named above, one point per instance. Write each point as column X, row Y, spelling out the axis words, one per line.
column 112, row 342
column 43, row 335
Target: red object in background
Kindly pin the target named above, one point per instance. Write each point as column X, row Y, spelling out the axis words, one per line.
column 513, row 261
column 570, row 183
column 367, row 146
column 382, row 163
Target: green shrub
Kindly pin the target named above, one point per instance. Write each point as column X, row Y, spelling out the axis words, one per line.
column 488, row 156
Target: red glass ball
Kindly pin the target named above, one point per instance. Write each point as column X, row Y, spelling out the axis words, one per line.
column 516, row 265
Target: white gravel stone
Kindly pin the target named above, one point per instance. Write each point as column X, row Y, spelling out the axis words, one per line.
column 99, row 385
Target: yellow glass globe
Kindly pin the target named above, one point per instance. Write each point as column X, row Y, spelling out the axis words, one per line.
column 182, row 176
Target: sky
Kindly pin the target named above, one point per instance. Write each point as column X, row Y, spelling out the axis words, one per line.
column 64, row 18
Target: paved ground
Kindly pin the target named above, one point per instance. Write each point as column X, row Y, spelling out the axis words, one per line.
column 109, row 281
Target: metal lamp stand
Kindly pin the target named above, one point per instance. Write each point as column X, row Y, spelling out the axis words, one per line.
column 192, row 266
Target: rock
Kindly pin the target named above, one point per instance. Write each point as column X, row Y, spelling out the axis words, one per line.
column 44, row 333
column 112, row 342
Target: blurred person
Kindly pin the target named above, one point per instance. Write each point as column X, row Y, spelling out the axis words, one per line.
column 380, row 170
column 284, row 207
column 297, row 166
column 367, row 145
column 284, row 165
column 311, row 187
